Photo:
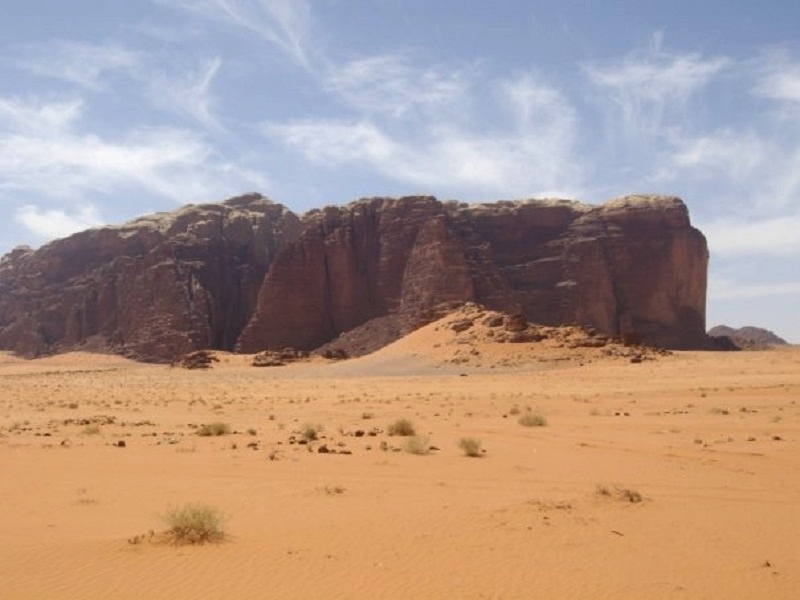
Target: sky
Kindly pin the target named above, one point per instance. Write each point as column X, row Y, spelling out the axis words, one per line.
column 116, row 108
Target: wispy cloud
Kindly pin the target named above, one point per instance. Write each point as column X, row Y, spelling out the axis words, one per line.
column 283, row 23
column 753, row 236
column 729, row 289
column 391, row 85
column 61, row 163
column 649, row 89
column 79, row 63
column 55, row 223
column 779, row 78
column 187, row 92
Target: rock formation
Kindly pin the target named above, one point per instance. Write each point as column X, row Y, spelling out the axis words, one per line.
column 747, row 337
column 250, row 275
column 153, row 289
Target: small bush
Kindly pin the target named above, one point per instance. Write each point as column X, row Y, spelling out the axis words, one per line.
column 533, row 419
column 627, row 494
column 401, row 427
column 471, row 447
column 214, row 429
column 418, row 445
column 194, row 524
column 514, row 410
column 93, row 429
column 630, row 495
column 310, row 432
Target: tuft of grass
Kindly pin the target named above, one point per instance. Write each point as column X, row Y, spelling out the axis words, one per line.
column 627, row 494
column 401, row 427
column 471, row 447
column 533, row 419
column 93, row 429
column 194, row 524
column 310, row 432
column 214, row 429
column 630, row 495
column 418, row 444
column 514, row 410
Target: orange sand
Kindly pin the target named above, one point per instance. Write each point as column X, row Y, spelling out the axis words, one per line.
column 710, row 440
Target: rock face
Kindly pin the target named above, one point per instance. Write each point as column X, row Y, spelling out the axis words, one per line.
column 152, row 289
column 748, row 336
column 250, row 275
column 633, row 267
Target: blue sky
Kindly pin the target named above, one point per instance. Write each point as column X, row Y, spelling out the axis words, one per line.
column 112, row 109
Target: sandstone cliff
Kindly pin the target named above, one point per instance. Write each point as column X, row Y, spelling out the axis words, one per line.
column 633, row 267
column 250, row 275
column 152, row 289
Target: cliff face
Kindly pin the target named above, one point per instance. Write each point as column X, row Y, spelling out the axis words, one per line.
column 250, row 275
column 151, row 289
column 633, row 267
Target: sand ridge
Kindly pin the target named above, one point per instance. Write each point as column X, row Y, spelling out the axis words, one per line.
column 708, row 440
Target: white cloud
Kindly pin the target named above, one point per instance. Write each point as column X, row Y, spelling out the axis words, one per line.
column 779, row 78
column 54, row 223
column 771, row 237
column 36, row 117
column 726, row 153
column 186, row 92
column 60, row 163
column 76, row 62
column 728, row 289
column 649, row 89
column 391, row 85
column 528, row 152
column 283, row 23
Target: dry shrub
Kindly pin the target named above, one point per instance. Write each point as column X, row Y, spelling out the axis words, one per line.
column 194, row 524
column 471, row 447
column 418, row 444
column 533, row 419
column 214, row 429
column 401, row 427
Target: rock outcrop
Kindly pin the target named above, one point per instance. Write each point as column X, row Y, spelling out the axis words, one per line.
column 250, row 275
column 153, row 289
column 633, row 267
column 747, row 337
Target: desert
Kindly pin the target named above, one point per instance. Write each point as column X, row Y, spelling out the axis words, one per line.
column 598, row 471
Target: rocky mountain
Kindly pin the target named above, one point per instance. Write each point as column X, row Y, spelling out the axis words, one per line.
column 747, row 337
column 249, row 274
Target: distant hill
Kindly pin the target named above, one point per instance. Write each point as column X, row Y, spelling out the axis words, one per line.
column 747, row 337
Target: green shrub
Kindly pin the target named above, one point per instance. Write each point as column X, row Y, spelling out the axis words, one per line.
column 194, row 524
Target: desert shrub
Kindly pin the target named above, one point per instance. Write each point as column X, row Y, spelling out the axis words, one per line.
column 418, row 444
column 401, row 427
column 514, row 410
column 630, row 495
column 213, row 429
column 533, row 419
column 471, row 447
column 626, row 494
column 194, row 524
column 93, row 429
column 310, row 432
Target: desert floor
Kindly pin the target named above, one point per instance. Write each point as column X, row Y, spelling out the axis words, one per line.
column 708, row 440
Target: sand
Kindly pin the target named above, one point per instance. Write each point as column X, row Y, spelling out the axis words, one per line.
column 708, row 441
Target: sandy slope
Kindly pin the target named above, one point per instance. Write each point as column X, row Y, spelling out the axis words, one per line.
column 709, row 440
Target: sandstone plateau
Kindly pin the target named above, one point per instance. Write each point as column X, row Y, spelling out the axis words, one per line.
column 248, row 274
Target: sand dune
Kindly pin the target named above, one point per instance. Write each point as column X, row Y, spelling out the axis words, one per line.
column 708, row 440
